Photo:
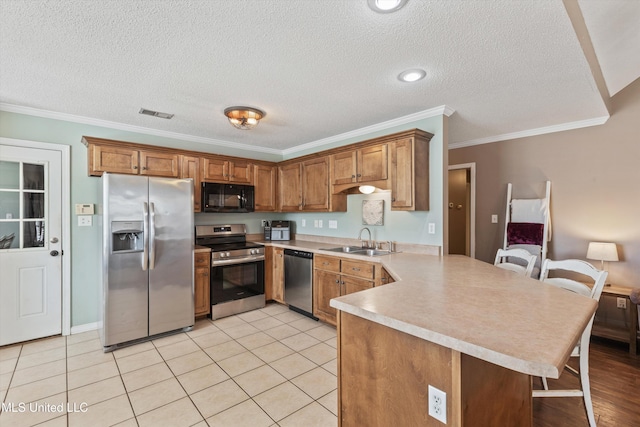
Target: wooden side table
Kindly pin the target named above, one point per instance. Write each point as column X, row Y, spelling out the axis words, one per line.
column 621, row 292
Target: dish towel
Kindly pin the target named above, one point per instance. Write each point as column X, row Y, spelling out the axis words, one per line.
column 525, row 233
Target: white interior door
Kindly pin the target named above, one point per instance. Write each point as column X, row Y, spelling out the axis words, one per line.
column 30, row 243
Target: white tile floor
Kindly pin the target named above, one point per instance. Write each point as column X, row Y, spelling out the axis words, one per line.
column 268, row 367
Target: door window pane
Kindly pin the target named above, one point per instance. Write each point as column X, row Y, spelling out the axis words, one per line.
column 34, row 205
column 9, row 205
column 9, row 235
column 33, row 234
column 33, row 176
column 9, row 175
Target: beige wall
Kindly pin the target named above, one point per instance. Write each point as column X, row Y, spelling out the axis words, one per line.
column 595, row 186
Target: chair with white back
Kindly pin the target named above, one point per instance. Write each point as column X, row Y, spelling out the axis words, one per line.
column 582, row 348
column 518, row 260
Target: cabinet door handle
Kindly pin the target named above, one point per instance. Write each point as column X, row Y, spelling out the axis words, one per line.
column 144, row 168
column 342, row 283
column 359, row 175
column 337, row 281
column 355, row 269
column 383, row 279
column 135, row 167
column 353, row 176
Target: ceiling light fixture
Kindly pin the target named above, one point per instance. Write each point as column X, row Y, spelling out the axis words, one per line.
column 385, row 6
column 413, row 75
column 244, row 117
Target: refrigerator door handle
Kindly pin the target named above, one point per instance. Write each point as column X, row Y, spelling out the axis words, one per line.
column 145, row 233
column 152, row 237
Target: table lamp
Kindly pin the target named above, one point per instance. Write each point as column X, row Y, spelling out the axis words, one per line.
column 603, row 252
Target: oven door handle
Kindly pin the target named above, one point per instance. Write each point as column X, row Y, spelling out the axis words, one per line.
column 236, row 261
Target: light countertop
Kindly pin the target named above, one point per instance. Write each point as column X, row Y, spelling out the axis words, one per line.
column 472, row 307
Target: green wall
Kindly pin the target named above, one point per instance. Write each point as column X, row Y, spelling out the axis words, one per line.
column 408, row 227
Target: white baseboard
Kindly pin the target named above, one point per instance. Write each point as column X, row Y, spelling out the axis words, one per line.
column 84, row 328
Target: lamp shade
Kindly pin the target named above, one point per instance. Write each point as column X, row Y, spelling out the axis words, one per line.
column 602, row 251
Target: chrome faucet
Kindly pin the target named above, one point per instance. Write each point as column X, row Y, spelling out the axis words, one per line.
column 360, row 236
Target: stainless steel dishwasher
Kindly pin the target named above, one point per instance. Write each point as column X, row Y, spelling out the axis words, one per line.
column 298, row 281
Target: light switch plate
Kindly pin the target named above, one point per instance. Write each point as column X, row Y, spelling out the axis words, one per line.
column 494, row 219
column 432, row 228
column 333, row 223
column 84, row 209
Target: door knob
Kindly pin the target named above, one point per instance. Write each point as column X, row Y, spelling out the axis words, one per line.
column 54, row 240
column 54, row 253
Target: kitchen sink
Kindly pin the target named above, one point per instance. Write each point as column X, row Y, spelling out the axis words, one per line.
column 357, row 250
column 346, row 249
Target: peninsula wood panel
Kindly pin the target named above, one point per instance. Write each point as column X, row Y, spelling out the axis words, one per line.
column 384, row 374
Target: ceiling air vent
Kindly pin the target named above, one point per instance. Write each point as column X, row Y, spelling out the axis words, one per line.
column 155, row 113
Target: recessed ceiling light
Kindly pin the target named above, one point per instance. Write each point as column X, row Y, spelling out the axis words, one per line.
column 385, row 6
column 412, row 75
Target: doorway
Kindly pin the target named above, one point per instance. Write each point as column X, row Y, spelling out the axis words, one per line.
column 34, row 232
column 462, row 210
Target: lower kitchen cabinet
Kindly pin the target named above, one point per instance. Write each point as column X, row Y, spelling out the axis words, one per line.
column 202, row 303
column 274, row 274
column 334, row 277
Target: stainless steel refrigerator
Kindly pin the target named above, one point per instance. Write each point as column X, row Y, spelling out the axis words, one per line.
column 147, row 262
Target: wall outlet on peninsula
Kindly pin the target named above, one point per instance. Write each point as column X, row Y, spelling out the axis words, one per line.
column 438, row 404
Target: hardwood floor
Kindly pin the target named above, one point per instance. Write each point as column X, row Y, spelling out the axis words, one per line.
column 615, row 390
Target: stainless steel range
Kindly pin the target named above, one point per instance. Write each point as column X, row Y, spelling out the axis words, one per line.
column 237, row 269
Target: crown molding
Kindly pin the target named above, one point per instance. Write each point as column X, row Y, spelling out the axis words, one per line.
column 425, row 114
column 596, row 121
column 11, row 108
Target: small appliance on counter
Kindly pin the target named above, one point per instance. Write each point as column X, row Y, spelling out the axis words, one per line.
column 277, row 230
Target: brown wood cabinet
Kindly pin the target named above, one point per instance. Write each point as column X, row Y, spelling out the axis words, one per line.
column 274, row 274
column 385, row 277
column 202, row 268
column 265, row 188
column 191, row 169
column 410, row 173
column 304, row 186
column 363, row 165
column 131, row 161
column 220, row 170
column 333, row 277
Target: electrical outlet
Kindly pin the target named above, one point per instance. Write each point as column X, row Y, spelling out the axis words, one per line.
column 304, row 222
column 315, row 223
column 438, row 404
column 333, row 223
column 85, row 221
column 432, row 228
column 320, row 223
column 621, row 303
column 264, row 222
column 494, row 219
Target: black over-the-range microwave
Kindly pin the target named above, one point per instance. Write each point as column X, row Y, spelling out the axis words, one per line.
column 227, row 197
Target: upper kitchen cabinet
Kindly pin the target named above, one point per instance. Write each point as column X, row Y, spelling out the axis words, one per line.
column 191, row 169
column 290, row 186
column 221, row 170
column 265, row 188
column 409, row 166
column 361, row 165
column 304, row 186
column 117, row 157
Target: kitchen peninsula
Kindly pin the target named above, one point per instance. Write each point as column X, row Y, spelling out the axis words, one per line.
column 473, row 331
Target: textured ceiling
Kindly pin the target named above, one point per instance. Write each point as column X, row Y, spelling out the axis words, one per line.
column 318, row 68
